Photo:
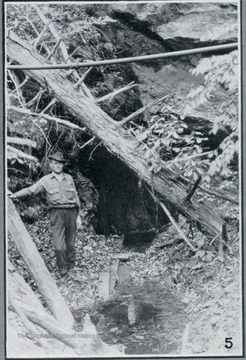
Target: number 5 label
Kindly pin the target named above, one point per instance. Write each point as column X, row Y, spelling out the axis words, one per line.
column 228, row 342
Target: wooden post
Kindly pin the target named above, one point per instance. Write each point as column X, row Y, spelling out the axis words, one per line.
column 46, row 284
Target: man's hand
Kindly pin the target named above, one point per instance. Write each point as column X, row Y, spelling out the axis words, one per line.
column 12, row 196
column 79, row 222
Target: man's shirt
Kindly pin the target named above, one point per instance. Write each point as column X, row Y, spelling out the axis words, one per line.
column 58, row 192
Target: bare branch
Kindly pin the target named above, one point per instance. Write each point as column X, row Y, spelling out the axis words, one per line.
column 69, row 57
column 116, row 92
column 26, row 18
column 176, row 226
column 163, row 206
column 88, row 142
column 86, row 91
column 53, row 101
column 46, row 117
column 62, row 45
column 83, row 77
column 141, row 110
column 22, row 84
column 37, row 40
column 54, row 48
column 20, row 141
column 21, row 154
column 16, row 83
column 36, row 98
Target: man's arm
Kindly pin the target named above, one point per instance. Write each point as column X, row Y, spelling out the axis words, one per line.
column 31, row 190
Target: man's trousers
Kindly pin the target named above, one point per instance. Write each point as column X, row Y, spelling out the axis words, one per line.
column 63, row 228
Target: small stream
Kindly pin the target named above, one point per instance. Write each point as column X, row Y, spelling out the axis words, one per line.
column 144, row 317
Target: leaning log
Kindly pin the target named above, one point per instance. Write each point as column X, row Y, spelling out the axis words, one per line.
column 27, row 249
column 25, row 303
column 84, row 343
column 166, row 182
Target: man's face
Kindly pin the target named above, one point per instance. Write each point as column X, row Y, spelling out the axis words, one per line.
column 56, row 166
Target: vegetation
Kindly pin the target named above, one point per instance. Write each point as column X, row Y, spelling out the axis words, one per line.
column 165, row 135
column 196, row 134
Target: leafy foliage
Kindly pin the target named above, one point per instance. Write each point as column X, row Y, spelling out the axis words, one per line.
column 167, row 137
column 221, row 85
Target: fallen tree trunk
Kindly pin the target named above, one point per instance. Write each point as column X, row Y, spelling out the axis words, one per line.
column 36, row 265
column 166, row 183
column 54, row 328
column 25, row 303
column 85, row 343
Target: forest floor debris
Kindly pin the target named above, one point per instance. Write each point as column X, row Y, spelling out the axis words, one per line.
column 208, row 288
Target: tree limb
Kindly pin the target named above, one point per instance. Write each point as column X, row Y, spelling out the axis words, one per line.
column 21, row 154
column 46, row 117
column 54, row 49
column 20, row 141
column 116, row 92
column 83, row 77
column 61, row 43
column 22, row 84
column 17, row 84
column 176, row 226
column 141, row 110
column 53, row 101
column 88, row 142
column 37, row 40
column 36, row 98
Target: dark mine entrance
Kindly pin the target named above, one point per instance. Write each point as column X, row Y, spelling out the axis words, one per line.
column 125, row 206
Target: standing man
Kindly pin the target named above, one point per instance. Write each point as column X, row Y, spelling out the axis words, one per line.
column 64, row 208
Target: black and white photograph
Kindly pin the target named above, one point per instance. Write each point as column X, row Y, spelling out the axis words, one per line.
column 123, row 138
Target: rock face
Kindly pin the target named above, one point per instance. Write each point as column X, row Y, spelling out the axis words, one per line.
column 150, row 28
column 201, row 30
column 171, row 78
column 155, row 28
column 199, row 22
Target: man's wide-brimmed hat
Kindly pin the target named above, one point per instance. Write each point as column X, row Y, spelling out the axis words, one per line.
column 58, row 156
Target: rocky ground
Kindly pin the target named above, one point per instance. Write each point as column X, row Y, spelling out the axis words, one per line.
column 206, row 283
